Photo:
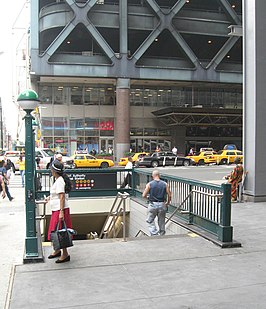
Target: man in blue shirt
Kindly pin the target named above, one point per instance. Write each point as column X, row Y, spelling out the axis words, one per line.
column 159, row 199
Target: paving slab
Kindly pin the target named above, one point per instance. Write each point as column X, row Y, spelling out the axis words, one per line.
column 183, row 271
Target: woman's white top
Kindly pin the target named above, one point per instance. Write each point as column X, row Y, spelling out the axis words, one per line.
column 57, row 188
column 129, row 165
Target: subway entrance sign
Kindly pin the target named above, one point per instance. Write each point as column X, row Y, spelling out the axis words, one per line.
column 86, row 182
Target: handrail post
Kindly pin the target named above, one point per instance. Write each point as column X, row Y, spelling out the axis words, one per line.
column 225, row 230
column 133, row 181
column 124, row 218
column 190, row 206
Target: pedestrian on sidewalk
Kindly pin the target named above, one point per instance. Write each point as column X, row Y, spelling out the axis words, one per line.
column 128, row 178
column 2, row 187
column 158, row 191
column 235, row 178
column 9, row 168
column 21, row 163
column 3, row 172
column 59, row 205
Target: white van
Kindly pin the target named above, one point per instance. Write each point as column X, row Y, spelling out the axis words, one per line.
column 46, row 156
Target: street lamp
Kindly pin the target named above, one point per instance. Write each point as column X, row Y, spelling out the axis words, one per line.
column 28, row 101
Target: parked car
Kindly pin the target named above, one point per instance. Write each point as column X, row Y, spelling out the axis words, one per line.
column 46, row 155
column 164, row 159
column 83, row 160
column 135, row 157
column 13, row 156
column 204, row 157
column 228, row 156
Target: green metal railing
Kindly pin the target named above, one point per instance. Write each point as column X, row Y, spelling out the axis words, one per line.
column 204, row 205
column 197, row 203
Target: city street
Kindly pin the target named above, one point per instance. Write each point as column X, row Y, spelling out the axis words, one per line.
column 207, row 173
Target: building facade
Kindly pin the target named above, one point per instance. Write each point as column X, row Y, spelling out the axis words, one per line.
column 114, row 75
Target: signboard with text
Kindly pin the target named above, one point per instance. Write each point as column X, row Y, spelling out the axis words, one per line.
column 89, row 181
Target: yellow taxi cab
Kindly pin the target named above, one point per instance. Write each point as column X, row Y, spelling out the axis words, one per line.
column 135, row 157
column 86, row 160
column 228, row 156
column 204, row 157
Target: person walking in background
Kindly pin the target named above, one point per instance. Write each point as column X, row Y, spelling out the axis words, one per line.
column 9, row 167
column 93, row 152
column 235, row 178
column 59, row 205
column 158, row 191
column 21, row 163
column 191, row 152
column 6, row 181
column 174, row 150
column 59, row 157
column 128, row 178
column 158, row 149
column 2, row 187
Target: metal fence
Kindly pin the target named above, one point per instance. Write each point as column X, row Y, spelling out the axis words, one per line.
column 201, row 204
column 197, row 203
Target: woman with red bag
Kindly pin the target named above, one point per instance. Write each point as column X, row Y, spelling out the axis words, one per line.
column 59, row 205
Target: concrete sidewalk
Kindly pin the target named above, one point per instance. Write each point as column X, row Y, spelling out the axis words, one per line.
column 161, row 272
column 12, row 229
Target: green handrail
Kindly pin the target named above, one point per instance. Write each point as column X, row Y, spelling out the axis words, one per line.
column 204, row 205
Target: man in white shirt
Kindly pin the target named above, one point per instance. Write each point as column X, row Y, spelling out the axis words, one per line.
column 174, row 150
column 127, row 180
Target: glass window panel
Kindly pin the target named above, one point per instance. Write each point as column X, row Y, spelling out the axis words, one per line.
column 80, row 143
column 45, row 94
column 87, row 95
column 107, row 133
column 92, row 143
column 91, row 123
column 91, row 127
column 217, row 98
column 150, row 131
column 91, row 132
column 94, row 96
column 164, row 132
column 61, row 126
column 186, row 97
column 101, row 94
column 106, row 124
column 177, row 96
column 58, row 94
column 107, row 95
column 76, row 95
column 77, row 123
column 61, row 144
column 136, row 131
column 47, row 127
column 48, row 142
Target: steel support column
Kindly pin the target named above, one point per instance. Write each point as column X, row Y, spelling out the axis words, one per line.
column 122, row 124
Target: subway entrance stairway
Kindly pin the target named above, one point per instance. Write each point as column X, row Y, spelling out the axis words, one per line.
column 174, row 271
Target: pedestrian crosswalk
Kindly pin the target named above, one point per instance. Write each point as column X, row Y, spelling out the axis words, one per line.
column 15, row 181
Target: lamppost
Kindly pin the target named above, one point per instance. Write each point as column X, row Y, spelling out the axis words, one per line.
column 28, row 101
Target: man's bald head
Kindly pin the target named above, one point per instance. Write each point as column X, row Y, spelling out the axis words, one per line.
column 156, row 174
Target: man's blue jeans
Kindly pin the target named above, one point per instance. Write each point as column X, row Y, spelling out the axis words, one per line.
column 22, row 174
column 156, row 209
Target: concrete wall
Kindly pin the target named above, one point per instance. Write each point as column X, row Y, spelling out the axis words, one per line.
column 89, row 214
column 88, row 206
